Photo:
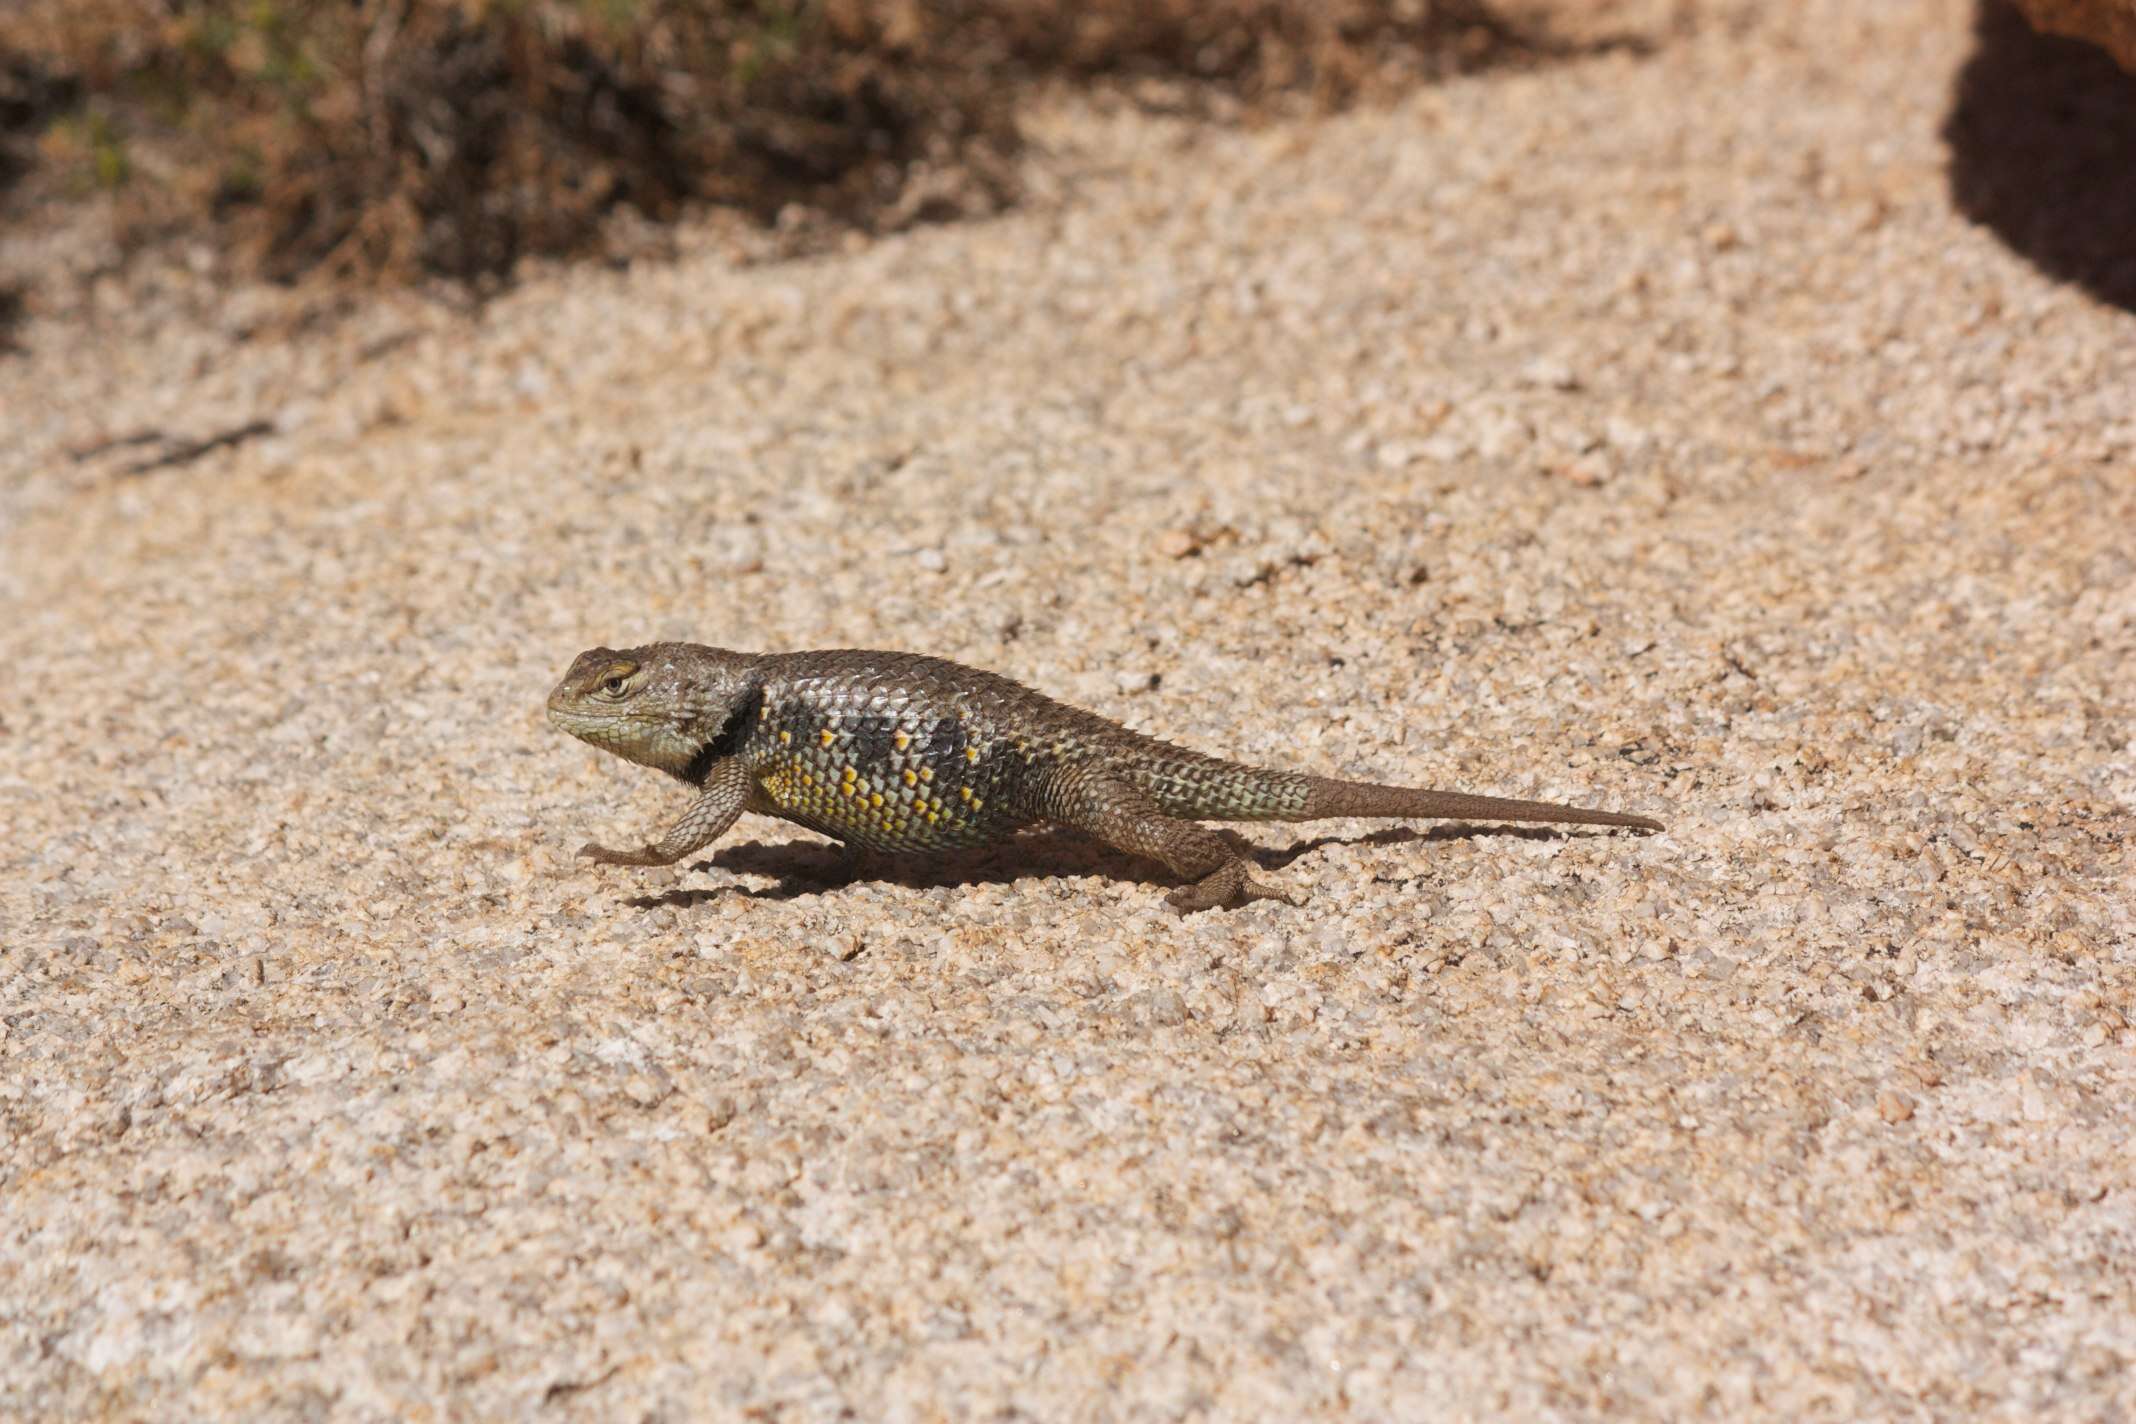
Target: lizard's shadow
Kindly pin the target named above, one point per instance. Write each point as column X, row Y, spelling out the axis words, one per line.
column 814, row 868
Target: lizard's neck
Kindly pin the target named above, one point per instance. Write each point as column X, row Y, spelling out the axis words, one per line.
column 725, row 737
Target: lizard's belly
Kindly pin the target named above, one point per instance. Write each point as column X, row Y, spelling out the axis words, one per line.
column 889, row 771
column 887, row 806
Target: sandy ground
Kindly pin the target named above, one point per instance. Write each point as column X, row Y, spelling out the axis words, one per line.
column 1650, row 430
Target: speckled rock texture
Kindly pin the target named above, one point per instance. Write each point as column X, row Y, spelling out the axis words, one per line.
column 2109, row 24
column 1646, row 431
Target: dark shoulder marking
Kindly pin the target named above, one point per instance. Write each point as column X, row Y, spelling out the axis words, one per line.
column 729, row 739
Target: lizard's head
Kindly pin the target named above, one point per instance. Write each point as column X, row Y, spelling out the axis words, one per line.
column 665, row 705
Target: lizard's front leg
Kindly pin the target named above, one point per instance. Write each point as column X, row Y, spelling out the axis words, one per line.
column 719, row 804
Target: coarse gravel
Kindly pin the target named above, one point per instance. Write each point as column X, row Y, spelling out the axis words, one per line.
column 1647, row 430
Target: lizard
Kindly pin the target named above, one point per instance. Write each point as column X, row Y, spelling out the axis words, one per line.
column 902, row 752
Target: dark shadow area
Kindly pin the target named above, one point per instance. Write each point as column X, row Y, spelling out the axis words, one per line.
column 14, row 308
column 1406, row 835
column 2042, row 133
column 29, row 97
column 807, row 868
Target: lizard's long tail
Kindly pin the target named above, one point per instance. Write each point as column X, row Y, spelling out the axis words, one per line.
column 1201, row 788
column 1327, row 798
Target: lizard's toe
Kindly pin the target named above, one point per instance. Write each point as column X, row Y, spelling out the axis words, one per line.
column 1251, row 889
column 1191, row 900
column 1224, row 889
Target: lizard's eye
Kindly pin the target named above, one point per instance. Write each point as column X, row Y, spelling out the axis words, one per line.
column 613, row 686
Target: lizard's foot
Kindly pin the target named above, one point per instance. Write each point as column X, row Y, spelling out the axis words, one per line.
column 602, row 855
column 1226, row 887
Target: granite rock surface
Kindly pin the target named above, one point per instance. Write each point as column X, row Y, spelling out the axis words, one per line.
column 1645, row 430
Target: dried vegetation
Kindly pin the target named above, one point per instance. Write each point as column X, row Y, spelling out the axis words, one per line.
column 399, row 138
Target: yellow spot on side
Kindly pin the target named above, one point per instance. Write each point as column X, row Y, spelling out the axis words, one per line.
column 971, row 753
column 977, row 803
column 847, row 788
column 785, row 737
column 828, row 736
column 932, row 817
column 900, row 741
column 926, row 773
column 965, row 792
column 910, row 779
column 849, row 773
column 875, row 798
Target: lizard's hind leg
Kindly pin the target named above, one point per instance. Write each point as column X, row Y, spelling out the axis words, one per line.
column 1125, row 817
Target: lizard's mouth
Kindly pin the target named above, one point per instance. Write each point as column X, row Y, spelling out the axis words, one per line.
column 601, row 731
column 569, row 712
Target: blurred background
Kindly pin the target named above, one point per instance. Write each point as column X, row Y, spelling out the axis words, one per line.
column 401, row 137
